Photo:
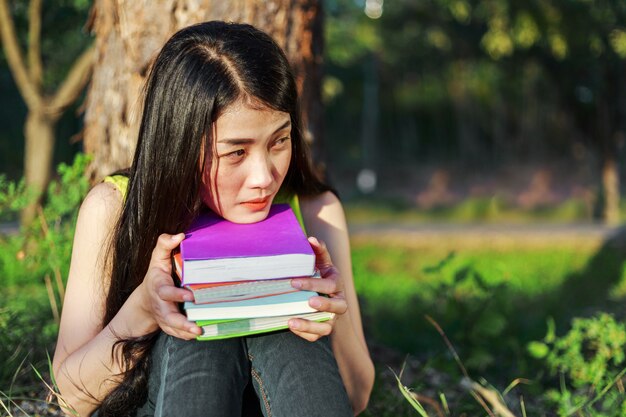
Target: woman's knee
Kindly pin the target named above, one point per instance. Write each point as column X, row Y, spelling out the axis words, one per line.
column 188, row 376
column 294, row 377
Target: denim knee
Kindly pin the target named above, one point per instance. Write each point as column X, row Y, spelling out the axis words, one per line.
column 194, row 378
column 296, row 378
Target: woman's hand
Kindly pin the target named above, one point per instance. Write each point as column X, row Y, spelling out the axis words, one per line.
column 331, row 285
column 160, row 295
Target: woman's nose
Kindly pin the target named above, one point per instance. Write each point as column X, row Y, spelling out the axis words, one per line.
column 260, row 175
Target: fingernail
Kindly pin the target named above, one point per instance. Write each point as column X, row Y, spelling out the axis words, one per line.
column 315, row 303
column 293, row 324
column 188, row 297
column 296, row 283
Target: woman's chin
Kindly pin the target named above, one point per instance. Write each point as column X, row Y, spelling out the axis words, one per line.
column 245, row 215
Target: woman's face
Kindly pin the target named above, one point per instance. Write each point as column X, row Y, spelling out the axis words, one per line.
column 251, row 155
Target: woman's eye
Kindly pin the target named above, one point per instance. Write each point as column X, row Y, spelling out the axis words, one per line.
column 235, row 154
column 281, row 141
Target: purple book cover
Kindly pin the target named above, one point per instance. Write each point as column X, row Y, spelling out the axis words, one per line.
column 212, row 237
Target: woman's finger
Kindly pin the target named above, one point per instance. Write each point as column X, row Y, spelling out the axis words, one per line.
column 310, row 330
column 310, row 337
column 163, row 250
column 177, row 325
column 336, row 305
column 322, row 257
column 181, row 334
column 328, row 285
column 174, row 294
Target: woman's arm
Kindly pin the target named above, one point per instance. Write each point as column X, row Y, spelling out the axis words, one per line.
column 84, row 366
column 324, row 218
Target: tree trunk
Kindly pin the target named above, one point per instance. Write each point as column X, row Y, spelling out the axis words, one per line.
column 39, row 149
column 470, row 150
column 43, row 110
column 605, row 127
column 129, row 34
column 610, row 187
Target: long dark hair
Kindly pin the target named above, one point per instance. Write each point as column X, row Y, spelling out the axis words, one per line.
column 199, row 72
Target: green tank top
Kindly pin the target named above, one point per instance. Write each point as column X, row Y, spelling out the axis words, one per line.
column 121, row 183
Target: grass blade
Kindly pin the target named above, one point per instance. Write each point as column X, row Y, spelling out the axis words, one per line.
column 444, row 402
column 408, row 395
column 515, row 383
column 449, row 344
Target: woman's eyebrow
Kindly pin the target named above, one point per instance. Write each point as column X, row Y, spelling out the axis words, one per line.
column 247, row 141
column 241, row 141
column 284, row 126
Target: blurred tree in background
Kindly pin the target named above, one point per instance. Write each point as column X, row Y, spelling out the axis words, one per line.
column 46, row 95
column 479, row 83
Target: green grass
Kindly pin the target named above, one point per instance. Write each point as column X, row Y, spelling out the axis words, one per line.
column 27, row 335
column 410, row 282
column 485, row 210
column 491, row 303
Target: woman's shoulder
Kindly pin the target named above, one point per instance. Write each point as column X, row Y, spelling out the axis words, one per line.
column 321, row 210
column 104, row 201
column 325, row 200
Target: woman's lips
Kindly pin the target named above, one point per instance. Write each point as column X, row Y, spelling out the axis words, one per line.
column 257, row 204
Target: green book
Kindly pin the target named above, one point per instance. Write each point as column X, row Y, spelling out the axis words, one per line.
column 223, row 329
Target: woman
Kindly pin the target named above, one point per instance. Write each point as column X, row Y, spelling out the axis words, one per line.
column 220, row 129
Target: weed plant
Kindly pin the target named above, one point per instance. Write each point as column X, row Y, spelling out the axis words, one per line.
column 33, row 265
column 589, row 360
column 590, row 365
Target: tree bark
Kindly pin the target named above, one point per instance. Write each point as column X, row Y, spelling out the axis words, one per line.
column 610, row 187
column 39, row 149
column 605, row 130
column 129, row 34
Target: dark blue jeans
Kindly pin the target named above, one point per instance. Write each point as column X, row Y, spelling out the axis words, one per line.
column 291, row 376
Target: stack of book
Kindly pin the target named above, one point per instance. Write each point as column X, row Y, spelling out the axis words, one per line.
column 240, row 274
